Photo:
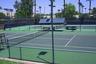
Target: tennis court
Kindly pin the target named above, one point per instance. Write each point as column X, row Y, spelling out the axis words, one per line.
column 75, row 42
column 71, row 47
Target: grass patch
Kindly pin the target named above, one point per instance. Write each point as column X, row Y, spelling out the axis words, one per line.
column 7, row 62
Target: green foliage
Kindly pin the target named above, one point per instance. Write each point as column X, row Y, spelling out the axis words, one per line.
column 94, row 11
column 2, row 15
column 58, row 15
column 37, row 18
column 24, row 9
column 69, row 11
column 85, row 16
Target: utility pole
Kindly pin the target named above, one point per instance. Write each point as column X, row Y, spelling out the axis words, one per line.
column 53, row 55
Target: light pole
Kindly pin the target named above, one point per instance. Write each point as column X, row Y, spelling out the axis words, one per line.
column 64, row 5
column 40, row 11
column 53, row 55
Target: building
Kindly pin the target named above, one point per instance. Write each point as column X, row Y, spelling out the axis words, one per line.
column 58, row 23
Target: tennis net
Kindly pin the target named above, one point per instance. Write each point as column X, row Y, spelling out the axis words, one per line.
column 16, row 41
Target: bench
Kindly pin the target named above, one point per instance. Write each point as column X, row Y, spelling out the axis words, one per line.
column 71, row 28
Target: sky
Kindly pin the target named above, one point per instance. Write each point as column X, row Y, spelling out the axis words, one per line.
column 45, row 4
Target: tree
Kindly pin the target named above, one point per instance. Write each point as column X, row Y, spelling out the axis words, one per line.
column 59, row 14
column 69, row 11
column 2, row 15
column 0, row 7
column 24, row 9
column 94, row 11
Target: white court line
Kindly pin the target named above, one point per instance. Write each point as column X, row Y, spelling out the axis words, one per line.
column 82, row 47
column 12, row 35
column 70, row 40
column 57, row 46
column 56, row 38
column 85, row 51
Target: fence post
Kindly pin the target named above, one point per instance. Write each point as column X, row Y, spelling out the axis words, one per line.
column 20, row 48
column 95, row 28
column 9, row 51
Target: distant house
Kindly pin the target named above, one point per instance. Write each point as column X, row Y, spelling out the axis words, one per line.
column 55, row 21
column 48, row 16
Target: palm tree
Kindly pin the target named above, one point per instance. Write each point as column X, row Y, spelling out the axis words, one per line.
column 16, row 4
column 80, row 6
column 58, row 10
column 90, row 2
column 0, row 7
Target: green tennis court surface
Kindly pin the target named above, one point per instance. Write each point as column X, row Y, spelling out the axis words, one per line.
column 71, row 47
